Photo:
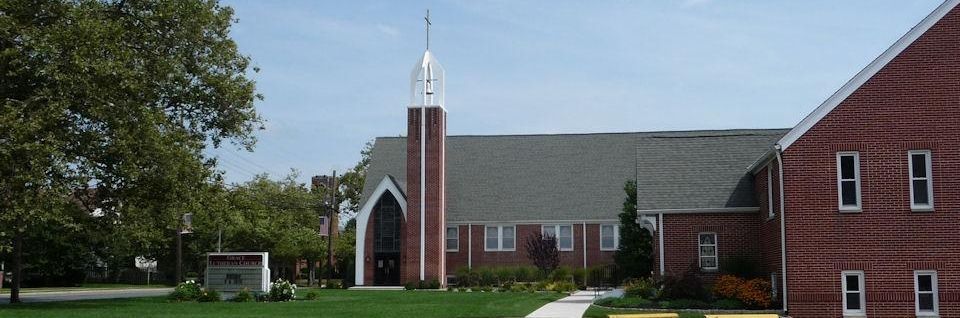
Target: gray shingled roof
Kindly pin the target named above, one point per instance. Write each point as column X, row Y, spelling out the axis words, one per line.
column 581, row 176
column 699, row 169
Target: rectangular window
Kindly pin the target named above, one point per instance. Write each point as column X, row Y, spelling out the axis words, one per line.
column 770, row 213
column 921, row 180
column 708, row 251
column 453, row 238
column 854, row 297
column 563, row 234
column 848, row 181
column 609, row 237
column 500, row 238
column 925, row 289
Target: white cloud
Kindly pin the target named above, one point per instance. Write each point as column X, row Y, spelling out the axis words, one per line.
column 388, row 30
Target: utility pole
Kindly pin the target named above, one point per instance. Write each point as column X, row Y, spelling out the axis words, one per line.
column 335, row 210
column 178, row 276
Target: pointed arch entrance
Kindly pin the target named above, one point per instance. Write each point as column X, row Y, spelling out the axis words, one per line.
column 387, row 242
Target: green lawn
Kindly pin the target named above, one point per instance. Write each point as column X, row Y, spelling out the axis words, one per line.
column 332, row 303
column 6, row 290
column 598, row 312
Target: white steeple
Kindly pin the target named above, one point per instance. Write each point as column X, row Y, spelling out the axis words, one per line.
column 426, row 79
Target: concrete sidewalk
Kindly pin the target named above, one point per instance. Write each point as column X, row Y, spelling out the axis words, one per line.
column 568, row 307
column 87, row 294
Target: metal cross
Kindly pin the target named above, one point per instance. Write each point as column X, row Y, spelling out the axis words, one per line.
column 427, row 18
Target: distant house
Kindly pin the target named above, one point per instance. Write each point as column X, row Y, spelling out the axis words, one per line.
column 851, row 213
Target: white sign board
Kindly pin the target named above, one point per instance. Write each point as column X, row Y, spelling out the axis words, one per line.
column 234, row 271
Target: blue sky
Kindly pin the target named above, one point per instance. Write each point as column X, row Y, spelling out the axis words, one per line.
column 335, row 73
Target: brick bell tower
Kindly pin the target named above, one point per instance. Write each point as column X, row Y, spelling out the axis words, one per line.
column 423, row 237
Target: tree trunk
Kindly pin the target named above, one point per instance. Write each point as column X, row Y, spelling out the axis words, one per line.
column 178, row 276
column 17, row 267
column 311, row 270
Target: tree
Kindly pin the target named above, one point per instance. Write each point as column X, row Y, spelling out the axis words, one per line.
column 542, row 250
column 634, row 256
column 352, row 182
column 122, row 95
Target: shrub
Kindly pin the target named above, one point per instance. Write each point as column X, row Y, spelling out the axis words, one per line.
column 560, row 274
column 561, row 287
column 640, row 287
column 461, row 289
column 333, row 284
column 727, row 286
column 506, row 274
column 282, row 290
column 486, row 276
column 209, row 296
column 429, row 284
column 540, row 286
column 486, row 289
column 186, row 291
column 410, row 286
column 243, row 296
column 525, row 274
column 753, row 293
column 688, row 286
column 518, row 288
column 580, row 278
column 625, row 302
column 543, row 251
column 728, row 304
column 313, row 295
column 466, row 277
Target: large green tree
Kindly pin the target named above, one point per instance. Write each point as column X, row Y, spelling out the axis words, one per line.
column 634, row 256
column 119, row 95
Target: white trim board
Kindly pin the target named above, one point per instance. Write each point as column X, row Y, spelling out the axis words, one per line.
column 534, row 222
column 750, row 209
column 386, row 184
column 868, row 72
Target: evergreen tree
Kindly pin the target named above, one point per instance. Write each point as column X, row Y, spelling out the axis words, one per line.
column 635, row 254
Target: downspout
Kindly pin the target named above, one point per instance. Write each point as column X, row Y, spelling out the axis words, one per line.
column 783, row 232
column 469, row 246
column 660, row 242
column 584, row 239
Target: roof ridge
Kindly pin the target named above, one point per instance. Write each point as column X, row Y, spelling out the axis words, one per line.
column 730, row 132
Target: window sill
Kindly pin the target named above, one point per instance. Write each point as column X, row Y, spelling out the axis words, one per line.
column 922, row 209
column 849, row 210
column 608, row 249
column 453, row 251
column 854, row 315
column 710, row 270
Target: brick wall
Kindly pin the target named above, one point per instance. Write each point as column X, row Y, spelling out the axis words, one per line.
column 435, row 133
column 736, row 237
column 768, row 232
column 912, row 103
column 481, row 258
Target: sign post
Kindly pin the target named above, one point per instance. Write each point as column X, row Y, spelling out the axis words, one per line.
column 231, row 272
column 146, row 264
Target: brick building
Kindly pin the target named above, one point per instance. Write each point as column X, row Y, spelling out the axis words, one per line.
column 851, row 212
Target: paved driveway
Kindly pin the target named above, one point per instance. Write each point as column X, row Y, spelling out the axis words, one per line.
column 87, row 295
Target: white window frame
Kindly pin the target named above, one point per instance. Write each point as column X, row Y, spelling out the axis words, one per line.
column 447, row 239
column 770, row 213
column 935, row 291
column 856, row 168
column 716, row 251
column 929, row 178
column 862, row 312
column 499, row 248
column 616, row 237
column 556, row 229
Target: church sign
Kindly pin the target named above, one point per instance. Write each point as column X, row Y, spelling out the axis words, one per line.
column 235, row 271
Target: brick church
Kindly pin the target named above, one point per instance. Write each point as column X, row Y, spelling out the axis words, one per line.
column 852, row 213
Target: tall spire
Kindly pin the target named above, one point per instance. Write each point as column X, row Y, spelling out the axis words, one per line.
column 427, row 18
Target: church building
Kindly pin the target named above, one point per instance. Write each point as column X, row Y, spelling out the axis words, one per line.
column 853, row 212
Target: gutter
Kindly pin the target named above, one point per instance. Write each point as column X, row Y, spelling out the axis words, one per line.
column 783, row 233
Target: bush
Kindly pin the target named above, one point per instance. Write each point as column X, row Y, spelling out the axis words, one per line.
column 626, row 302
column 209, row 296
column 518, row 288
column 243, row 296
column 688, row 286
column 186, row 291
column 561, row 287
column 410, row 286
column 333, row 284
column 640, row 287
column 728, row 304
column 313, row 295
column 282, row 290
column 525, row 274
column 580, row 278
column 753, row 293
column 429, row 284
column 487, row 277
column 486, row 289
column 506, row 274
column 461, row 289
column 741, row 267
column 562, row 273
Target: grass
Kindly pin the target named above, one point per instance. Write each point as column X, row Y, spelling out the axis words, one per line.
column 332, row 303
column 598, row 312
column 6, row 290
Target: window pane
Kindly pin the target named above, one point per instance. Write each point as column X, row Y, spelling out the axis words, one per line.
column 606, row 230
column 849, row 194
column 920, row 194
column 853, row 283
column 707, row 239
column 451, row 244
column 566, row 231
column 847, row 167
column 925, row 283
column 549, row 231
column 508, row 237
column 708, row 251
column 925, row 302
column 919, row 165
column 606, row 242
column 708, row 262
column 451, row 232
column 853, row 301
column 565, row 243
column 492, row 238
